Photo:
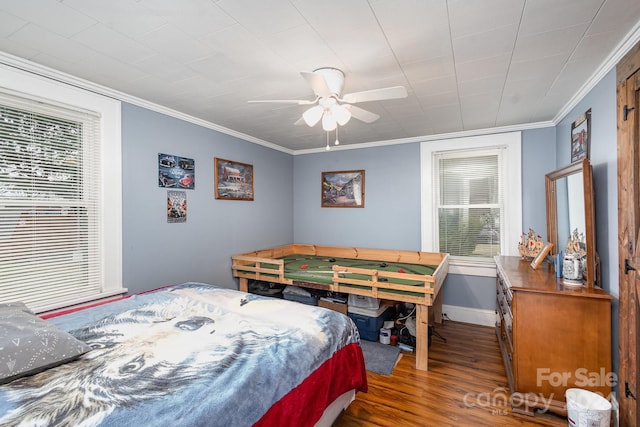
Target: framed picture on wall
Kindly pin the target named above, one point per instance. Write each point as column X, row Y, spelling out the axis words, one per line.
column 233, row 180
column 581, row 137
column 343, row 189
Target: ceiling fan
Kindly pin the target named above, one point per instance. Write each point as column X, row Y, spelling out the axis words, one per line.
column 331, row 106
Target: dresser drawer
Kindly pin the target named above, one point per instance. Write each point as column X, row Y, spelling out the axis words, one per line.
column 503, row 289
column 504, row 310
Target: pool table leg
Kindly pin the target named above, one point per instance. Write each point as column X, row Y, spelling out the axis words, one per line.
column 424, row 314
column 244, row 284
column 422, row 337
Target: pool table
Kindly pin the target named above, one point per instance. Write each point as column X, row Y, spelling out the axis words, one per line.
column 395, row 275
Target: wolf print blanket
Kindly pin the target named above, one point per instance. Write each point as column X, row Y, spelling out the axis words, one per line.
column 190, row 355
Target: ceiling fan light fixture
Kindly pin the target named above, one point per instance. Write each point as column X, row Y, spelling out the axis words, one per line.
column 329, row 122
column 341, row 114
column 313, row 115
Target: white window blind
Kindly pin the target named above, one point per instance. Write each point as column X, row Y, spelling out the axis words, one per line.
column 469, row 202
column 50, row 203
column 471, row 189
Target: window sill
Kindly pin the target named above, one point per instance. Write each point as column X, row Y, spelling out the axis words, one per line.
column 81, row 302
column 485, row 267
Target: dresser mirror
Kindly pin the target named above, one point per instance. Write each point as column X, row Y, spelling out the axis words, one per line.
column 570, row 207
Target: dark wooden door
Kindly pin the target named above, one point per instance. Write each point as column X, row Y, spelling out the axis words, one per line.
column 628, row 95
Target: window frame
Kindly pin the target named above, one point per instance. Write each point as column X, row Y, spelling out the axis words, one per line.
column 54, row 92
column 512, row 195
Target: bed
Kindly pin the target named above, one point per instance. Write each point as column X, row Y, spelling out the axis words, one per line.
column 395, row 275
column 190, row 354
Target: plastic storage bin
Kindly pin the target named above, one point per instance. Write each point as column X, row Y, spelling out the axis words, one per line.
column 266, row 289
column 587, row 409
column 295, row 293
column 363, row 302
column 369, row 326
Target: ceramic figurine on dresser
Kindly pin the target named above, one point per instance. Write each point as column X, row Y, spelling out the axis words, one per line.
column 573, row 263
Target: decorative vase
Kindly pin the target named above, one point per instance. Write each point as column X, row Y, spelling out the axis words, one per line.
column 572, row 268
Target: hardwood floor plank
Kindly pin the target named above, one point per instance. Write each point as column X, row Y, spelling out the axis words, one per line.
column 466, row 385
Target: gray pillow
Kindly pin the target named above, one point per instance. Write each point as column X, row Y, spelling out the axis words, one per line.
column 29, row 345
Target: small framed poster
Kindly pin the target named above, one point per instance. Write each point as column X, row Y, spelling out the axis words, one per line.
column 581, row 137
column 176, row 172
column 176, row 206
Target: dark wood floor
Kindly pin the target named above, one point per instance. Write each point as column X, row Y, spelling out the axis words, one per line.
column 466, row 385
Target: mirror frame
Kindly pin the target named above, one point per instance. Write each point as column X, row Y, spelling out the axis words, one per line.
column 589, row 213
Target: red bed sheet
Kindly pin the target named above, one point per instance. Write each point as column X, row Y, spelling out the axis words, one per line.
column 304, row 405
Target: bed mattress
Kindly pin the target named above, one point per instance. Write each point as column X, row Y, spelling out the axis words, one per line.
column 193, row 354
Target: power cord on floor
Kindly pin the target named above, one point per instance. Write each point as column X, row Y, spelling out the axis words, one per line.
column 436, row 333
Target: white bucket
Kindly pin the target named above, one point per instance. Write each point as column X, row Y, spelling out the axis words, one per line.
column 385, row 336
column 587, row 409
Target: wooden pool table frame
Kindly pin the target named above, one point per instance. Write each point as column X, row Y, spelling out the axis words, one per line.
column 267, row 265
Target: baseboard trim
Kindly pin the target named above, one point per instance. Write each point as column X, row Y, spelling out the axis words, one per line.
column 475, row 316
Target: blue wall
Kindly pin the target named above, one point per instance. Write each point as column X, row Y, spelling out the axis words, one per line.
column 603, row 157
column 390, row 218
column 287, row 202
column 604, row 160
column 538, row 159
column 156, row 253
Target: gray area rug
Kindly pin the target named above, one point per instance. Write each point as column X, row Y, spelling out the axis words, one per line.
column 379, row 358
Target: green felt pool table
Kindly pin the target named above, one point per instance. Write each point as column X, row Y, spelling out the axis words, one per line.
column 395, row 275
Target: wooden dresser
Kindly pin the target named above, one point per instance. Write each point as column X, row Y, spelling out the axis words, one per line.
column 552, row 337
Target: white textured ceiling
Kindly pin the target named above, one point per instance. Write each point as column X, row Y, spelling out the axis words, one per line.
column 467, row 64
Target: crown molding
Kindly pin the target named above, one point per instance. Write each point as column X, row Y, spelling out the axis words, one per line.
column 632, row 38
column 623, row 47
column 609, row 64
column 427, row 138
column 61, row 77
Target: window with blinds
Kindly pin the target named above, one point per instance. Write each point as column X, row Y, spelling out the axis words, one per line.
column 50, row 203
column 469, row 203
column 471, row 199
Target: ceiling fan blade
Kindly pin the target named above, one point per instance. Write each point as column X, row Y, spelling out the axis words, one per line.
column 375, row 94
column 313, row 115
column 284, row 101
column 317, row 82
column 362, row 115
